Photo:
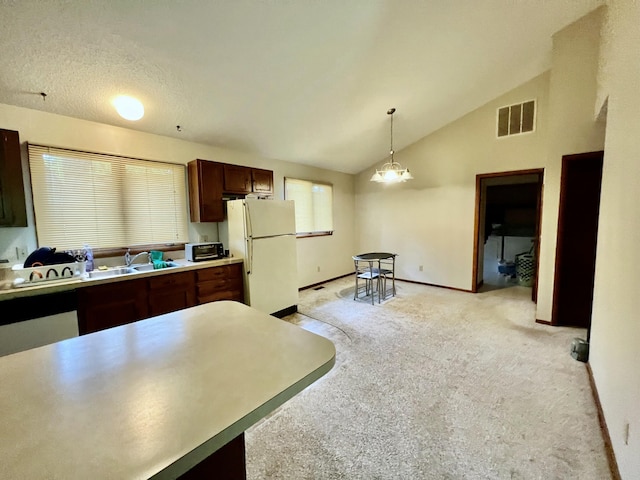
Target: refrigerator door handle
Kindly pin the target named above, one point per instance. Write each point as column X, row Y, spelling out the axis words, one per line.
column 250, row 255
column 248, row 226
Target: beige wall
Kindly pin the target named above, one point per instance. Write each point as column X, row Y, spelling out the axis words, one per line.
column 615, row 334
column 40, row 127
column 429, row 221
column 572, row 129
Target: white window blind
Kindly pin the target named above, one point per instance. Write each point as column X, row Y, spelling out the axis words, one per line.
column 106, row 201
column 314, row 205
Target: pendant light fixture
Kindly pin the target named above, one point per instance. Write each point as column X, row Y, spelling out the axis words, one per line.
column 392, row 171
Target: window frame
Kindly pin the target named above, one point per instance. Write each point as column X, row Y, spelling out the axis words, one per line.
column 117, row 250
column 315, row 233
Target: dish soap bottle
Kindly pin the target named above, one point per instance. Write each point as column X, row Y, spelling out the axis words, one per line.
column 89, row 257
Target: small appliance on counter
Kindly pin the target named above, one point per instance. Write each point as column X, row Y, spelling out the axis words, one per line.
column 197, row 252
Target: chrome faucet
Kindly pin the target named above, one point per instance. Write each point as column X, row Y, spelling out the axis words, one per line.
column 128, row 259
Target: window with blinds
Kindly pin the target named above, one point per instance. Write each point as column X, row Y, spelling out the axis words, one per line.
column 106, row 201
column 314, row 206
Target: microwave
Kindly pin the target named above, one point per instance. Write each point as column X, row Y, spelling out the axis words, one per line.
column 197, row 252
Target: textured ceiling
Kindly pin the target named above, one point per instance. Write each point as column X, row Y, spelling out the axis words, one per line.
column 307, row 81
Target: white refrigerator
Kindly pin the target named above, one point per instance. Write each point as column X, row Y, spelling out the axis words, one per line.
column 263, row 233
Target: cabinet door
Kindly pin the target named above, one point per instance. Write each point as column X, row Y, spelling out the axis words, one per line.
column 237, row 179
column 111, row 305
column 171, row 292
column 205, row 191
column 262, row 181
column 13, row 212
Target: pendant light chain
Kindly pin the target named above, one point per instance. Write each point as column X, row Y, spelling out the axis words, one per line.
column 392, row 171
column 391, row 149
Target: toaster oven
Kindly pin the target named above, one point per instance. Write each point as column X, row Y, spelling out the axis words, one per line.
column 197, row 252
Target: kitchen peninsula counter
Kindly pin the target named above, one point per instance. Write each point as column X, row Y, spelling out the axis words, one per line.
column 154, row 398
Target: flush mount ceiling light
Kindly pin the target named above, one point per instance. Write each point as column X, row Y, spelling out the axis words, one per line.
column 128, row 108
column 392, row 171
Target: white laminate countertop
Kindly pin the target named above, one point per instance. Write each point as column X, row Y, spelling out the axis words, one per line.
column 42, row 288
column 152, row 398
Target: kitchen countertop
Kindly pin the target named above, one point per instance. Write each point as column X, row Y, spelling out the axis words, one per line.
column 55, row 286
column 152, row 398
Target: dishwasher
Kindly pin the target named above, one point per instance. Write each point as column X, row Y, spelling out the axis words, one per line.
column 34, row 321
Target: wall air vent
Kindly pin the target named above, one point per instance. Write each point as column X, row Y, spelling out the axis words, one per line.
column 517, row 119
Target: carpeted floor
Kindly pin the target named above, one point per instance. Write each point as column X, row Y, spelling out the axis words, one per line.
column 434, row 384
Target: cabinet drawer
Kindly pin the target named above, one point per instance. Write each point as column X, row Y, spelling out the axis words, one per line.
column 219, row 284
column 171, row 280
column 222, row 272
column 229, row 289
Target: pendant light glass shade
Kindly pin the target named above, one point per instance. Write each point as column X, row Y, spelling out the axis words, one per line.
column 392, row 171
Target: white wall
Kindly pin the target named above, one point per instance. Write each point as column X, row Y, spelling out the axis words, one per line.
column 572, row 129
column 429, row 221
column 331, row 253
column 615, row 334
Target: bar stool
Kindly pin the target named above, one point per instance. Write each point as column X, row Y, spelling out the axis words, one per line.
column 365, row 270
column 386, row 268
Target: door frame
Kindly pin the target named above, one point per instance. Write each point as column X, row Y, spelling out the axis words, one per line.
column 559, row 256
column 478, row 210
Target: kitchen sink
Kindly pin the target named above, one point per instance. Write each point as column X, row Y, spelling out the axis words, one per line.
column 147, row 267
column 111, row 272
column 117, row 271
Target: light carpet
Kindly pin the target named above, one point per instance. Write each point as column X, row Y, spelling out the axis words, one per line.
column 434, row 384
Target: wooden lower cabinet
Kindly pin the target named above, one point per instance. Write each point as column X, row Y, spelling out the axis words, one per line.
column 126, row 301
column 171, row 292
column 220, row 283
column 111, row 305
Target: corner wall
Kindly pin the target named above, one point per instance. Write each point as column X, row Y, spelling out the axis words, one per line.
column 615, row 332
column 330, row 253
column 572, row 129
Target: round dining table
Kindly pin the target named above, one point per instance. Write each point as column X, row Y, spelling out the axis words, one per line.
column 381, row 273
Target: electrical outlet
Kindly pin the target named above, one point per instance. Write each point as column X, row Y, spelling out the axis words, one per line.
column 318, row 267
column 206, row 238
column 420, row 268
column 21, row 253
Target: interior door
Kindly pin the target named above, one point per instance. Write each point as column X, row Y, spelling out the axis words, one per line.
column 577, row 237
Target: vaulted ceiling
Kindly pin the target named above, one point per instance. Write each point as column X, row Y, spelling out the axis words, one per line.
column 307, row 81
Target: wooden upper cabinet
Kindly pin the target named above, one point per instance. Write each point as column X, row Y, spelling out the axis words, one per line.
column 237, row 179
column 205, row 191
column 208, row 181
column 13, row 211
column 262, row 181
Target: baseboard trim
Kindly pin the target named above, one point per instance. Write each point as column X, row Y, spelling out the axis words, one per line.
column 285, row 311
column 611, row 456
column 435, row 285
column 324, row 281
column 397, row 280
column 543, row 322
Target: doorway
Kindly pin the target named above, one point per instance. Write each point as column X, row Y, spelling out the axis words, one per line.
column 580, row 184
column 507, row 229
